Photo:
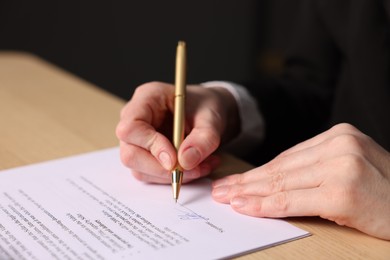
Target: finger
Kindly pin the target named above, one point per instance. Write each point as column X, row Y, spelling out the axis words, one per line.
column 312, row 202
column 166, row 179
column 141, row 160
column 312, row 158
column 149, row 103
column 198, row 145
column 302, row 178
column 188, row 176
column 206, row 123
column 308, row 202
column 204, row 169
column 276, row 168
column 310, row 152
column 143, row 135
column 140, row 118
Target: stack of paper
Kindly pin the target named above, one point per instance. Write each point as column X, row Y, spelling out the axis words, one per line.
column 90, row 207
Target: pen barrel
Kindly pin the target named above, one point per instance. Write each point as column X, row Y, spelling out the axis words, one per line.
column 179, row 113
column 180, row 90
column 178, row 121
column 181, row 67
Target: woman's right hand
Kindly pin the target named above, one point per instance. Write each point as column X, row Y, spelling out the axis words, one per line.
column 145, row 130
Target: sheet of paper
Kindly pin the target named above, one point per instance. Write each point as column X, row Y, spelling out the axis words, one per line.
column 90, row 207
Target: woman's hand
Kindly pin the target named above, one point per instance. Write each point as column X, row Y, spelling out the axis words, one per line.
column 145, row 131
column 341, row 175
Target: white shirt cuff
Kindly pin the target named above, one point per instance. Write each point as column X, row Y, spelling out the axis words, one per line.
column 252, row 122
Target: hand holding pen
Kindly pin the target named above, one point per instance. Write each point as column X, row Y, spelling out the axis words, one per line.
column 145, row 131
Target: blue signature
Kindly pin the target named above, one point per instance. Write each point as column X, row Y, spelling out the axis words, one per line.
column 187, row 214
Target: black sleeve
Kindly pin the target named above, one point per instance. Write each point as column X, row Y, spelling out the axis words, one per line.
column 297, row 105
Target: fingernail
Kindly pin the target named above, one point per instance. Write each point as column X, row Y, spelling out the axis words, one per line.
column 221, row 191
column 165, row 160
column 190, row 158
column 238, row 202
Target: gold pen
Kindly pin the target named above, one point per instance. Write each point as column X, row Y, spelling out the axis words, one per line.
column 179, row 112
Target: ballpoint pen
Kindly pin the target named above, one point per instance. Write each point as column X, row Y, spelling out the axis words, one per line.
column 179, row 112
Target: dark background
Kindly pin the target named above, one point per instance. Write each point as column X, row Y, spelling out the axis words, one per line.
column 118, row 45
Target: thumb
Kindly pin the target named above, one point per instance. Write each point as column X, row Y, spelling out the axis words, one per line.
column 207, row 118
column 197, row 146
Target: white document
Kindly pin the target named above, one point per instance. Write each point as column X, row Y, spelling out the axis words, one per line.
column 90, row 207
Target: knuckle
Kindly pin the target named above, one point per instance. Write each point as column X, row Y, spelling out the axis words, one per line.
column 157, row 87
column 272, row 167
column 154, row 84
column 348, row 142
column 152, row 143
column 128, row 157
column 138, row 90
column 215, row 116
column 256, row 209
column 253, row 207
column 146, row 85
column 211, row 139
column 239, row 178
column 230, row 179
column 353, row 165
column 276, row 183
column 344, row 128
column 280, row 202
column 237, row 190
column 144, row 89
column 121, row 130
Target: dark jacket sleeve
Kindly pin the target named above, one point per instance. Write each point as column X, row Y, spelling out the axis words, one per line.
column 336, row 70
column 297, row 105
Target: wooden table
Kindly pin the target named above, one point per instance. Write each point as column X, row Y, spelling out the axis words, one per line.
column 48, row 113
